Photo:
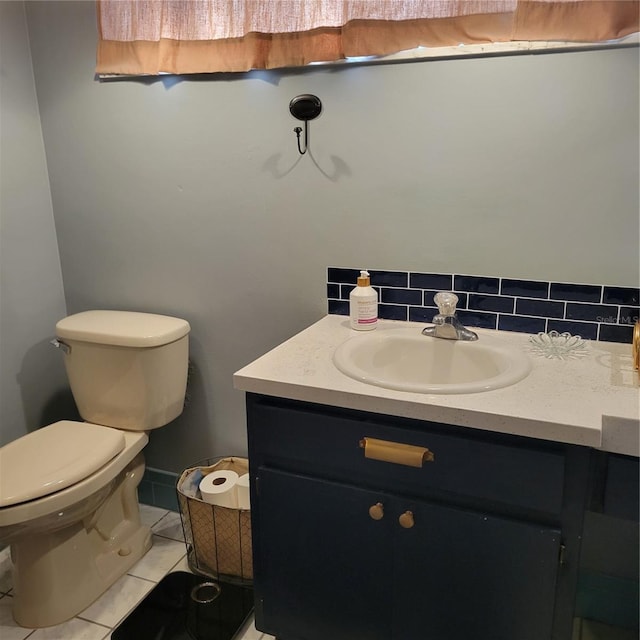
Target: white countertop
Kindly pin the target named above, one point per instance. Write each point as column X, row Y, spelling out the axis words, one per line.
column 593, row 400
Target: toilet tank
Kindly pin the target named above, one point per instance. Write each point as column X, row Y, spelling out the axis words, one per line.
column 126, row 369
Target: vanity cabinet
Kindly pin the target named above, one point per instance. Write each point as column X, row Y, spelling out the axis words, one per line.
column 481, row 542
column 609, row 576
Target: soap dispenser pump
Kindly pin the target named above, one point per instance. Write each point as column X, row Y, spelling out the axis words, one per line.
column 363, row 304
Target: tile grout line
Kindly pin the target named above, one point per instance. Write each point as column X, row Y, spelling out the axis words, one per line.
column 107, row 628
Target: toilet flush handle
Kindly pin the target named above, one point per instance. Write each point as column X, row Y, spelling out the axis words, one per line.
column 58, row 344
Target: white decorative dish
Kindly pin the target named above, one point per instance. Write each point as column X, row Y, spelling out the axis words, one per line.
column 561, row 346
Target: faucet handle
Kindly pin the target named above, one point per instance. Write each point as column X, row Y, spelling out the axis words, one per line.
column 446, row 302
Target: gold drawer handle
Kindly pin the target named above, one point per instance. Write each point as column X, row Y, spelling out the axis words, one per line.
column 396, row 452
column 406, row 520
column 376, row 511
column 636, row 346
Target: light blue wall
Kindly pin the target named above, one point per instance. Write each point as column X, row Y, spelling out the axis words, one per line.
column 31, row 293
column 188, row 196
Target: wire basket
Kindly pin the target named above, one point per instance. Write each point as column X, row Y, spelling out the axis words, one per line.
column 218, row 539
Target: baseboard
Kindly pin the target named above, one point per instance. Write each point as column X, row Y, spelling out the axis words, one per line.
column 158, row 489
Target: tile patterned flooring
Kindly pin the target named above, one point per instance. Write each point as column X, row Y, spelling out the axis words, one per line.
column 167, row 554
column 98, row 621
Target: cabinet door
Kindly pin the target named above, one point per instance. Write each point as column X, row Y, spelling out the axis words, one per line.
column 325, row 569
column 323, row 565
column 461, row 574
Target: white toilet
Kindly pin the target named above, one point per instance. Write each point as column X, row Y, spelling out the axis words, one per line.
column 68, row 491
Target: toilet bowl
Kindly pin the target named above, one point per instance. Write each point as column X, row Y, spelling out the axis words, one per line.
column 68, row 546
column 68, row 491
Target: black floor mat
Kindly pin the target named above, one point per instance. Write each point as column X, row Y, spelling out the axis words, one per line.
column 183, row 606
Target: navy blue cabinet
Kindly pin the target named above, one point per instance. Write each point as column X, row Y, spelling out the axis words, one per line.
column 609, row 575
column 464, row 574
column 480, row 543
column 325, row 567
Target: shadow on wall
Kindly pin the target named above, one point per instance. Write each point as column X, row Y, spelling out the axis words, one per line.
column 46, row 396
column 340, row 167
column 193, row 429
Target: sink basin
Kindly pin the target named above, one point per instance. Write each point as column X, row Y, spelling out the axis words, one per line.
column 405, row 360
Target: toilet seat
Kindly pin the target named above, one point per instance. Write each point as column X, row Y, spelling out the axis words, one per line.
column 57, row 456
column 63, row 501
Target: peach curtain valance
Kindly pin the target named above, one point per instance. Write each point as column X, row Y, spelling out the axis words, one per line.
column 206, row 36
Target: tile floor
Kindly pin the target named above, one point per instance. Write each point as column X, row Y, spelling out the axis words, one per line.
column 98, row 621
column 167, row 554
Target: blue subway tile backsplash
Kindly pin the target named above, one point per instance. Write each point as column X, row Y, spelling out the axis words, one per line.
column 400, row 296
column 521, row 324
column 392, row 312
column 500, row 304
column 588, row 330
column 476, row 284
column 524, row 288
column 436, row 281
column 576, row 292
column 616, row 333
column 339, row 307
column 478, row 319
column 333, row 290
column 629, row 315
column 540, row 308
column 422, row 314
column 389, row 278
column 621, row 295
column 338, row 275
column 595, row 312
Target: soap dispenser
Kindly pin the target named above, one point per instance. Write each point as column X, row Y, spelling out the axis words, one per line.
column 363, row 304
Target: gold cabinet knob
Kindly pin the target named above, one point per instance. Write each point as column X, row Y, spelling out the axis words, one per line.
column 376, row 511
column 406, row 520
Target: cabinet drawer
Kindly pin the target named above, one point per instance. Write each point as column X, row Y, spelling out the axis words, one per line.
column 312, row 439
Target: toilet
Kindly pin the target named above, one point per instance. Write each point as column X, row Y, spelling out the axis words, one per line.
column 68, row 491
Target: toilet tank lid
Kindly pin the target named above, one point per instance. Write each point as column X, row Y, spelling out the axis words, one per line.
column 122, row 328
column 53, row 458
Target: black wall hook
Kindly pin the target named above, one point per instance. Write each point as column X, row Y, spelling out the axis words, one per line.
column 305, row 107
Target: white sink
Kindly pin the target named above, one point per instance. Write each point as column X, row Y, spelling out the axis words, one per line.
column 405, row 360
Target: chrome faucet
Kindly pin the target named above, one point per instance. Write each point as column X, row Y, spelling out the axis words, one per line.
column 445, row 323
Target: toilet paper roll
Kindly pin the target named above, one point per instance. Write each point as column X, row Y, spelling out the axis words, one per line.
column 219, row 488
column 243, row 492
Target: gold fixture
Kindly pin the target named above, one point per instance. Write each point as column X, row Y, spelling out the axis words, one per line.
column 406, row 520
column 376, row 511
column 636, row 346
column 396, row 452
